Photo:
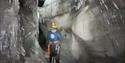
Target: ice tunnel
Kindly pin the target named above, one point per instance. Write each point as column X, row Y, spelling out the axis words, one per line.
column 93, row 31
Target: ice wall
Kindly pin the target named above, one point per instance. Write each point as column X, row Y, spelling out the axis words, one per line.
column 93, row 30
column 19, row 31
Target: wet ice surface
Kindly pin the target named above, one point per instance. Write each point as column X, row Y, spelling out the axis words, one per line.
column 94, row 30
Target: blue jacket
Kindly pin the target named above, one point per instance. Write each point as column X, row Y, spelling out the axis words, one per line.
column 54, row 36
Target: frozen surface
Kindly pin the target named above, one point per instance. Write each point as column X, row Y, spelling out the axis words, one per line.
column 93, row 30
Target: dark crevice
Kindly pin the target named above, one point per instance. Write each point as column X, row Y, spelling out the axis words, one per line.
column 40, row 3
column 21, row 3
column 42, row 39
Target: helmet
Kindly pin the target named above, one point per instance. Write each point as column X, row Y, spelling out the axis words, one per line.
column 53, row 24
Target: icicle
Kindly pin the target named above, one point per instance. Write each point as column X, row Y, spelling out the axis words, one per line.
column 115, row 5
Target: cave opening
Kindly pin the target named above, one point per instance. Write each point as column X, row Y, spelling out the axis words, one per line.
column 40, row 3
column 42, row 39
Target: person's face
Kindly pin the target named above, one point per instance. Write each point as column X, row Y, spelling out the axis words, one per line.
column 54, row 30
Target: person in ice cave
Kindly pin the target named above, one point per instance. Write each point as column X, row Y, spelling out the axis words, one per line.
column 54, row 39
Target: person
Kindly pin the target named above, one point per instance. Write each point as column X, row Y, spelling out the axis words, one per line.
column 54, row 37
